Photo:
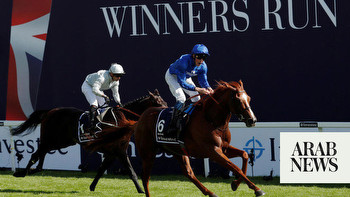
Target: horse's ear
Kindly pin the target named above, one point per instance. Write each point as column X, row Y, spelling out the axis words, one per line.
column 150, row 93
column 156, row 92
column 241, row 83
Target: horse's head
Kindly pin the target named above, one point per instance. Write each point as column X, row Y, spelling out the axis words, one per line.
column 156, row 100
column 239, row 102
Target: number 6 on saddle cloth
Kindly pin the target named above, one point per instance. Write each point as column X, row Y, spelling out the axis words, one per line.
column 163, row 124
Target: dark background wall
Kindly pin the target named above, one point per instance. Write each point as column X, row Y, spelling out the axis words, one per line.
column 5, row 24
column 291, row 74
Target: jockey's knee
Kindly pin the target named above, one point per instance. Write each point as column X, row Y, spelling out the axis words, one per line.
column 181, row 99
column 195, row 99
column 245, row 155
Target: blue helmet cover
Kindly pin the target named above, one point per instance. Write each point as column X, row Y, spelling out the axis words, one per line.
column 200, row 49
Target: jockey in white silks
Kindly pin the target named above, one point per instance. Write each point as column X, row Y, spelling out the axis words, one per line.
column 94, row 85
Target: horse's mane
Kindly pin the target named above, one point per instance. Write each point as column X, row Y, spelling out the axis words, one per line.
column 232, row 85
column 138, row 100
column 221, row 86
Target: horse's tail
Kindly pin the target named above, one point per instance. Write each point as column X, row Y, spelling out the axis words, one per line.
column 109, row 136
column 31, row 123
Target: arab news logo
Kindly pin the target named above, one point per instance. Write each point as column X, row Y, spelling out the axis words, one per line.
column 254, row 146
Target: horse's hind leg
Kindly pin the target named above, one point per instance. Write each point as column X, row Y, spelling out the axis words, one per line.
column 124, row 159
column 39, row 167
column 107, row 161
column 147, row 164
column 232, row 152
column 33, row 159
column 38, row 155
column 221, row 159
column 187, row 170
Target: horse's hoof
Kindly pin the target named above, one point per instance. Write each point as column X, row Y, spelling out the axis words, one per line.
column 213, row 195
column 259, row 193
column 20, row 174
column 234, row 186
column 92, row 188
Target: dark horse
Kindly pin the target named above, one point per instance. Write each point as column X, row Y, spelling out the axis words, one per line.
column 59, row 130
column 205, row 136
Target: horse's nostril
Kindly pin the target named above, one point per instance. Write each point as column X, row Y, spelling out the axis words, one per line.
column 251, row 121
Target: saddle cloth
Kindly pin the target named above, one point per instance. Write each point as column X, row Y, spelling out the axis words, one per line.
column 83, row 134
column 163, row 123
column 162, row 127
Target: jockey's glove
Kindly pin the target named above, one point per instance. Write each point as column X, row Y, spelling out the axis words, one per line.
column 107, row 100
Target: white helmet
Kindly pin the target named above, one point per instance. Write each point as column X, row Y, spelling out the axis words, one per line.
column 116, row 69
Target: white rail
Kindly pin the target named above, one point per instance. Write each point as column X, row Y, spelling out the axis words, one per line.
column 305, row 124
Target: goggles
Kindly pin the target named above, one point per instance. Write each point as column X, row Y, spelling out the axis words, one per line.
column 118, row 75
column 201, row 56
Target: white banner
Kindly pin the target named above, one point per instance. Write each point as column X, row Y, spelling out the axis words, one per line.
column 315, row 157
column 265, row 143
column 63, row 159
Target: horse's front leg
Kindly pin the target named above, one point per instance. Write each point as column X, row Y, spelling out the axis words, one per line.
column 187, row 170
column 232, row 152
column 219, row 157
column 107, row 161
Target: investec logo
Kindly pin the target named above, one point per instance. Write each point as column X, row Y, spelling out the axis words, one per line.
column 314, row 157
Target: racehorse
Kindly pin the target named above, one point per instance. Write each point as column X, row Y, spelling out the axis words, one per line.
column 206, row 135
column 59, row 129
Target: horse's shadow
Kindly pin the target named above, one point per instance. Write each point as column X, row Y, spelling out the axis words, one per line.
column 34, row 192
column 258, row 179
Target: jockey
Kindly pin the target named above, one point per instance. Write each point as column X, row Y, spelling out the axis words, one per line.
column 178, row 77
column 94, row 85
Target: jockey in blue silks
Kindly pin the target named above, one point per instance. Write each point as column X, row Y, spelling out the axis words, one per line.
column 178, row 77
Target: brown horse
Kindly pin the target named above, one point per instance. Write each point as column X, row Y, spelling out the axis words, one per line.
column 205, row 136
column 59, row 130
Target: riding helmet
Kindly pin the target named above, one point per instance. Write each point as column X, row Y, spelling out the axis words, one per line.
column 116, row 69
column 200, row 49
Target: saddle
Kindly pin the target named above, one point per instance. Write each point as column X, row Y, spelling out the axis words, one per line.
column 83, row 134
column 163, row 123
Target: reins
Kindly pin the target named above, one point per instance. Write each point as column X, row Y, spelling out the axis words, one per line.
column 210, row 95
column 105, row 105
column 206, row 94
column 131, row 112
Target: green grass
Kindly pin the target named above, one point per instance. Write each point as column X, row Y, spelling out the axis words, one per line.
column 58, row 183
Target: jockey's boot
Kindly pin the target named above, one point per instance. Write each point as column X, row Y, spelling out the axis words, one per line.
column 175, row 123
column 92, row 123
column 179, row 128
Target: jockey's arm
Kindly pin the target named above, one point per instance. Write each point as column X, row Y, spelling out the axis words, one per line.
column 181, row 79
column 96, row 89
column 115, row 91
column 203, row 81
column 202, row 90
